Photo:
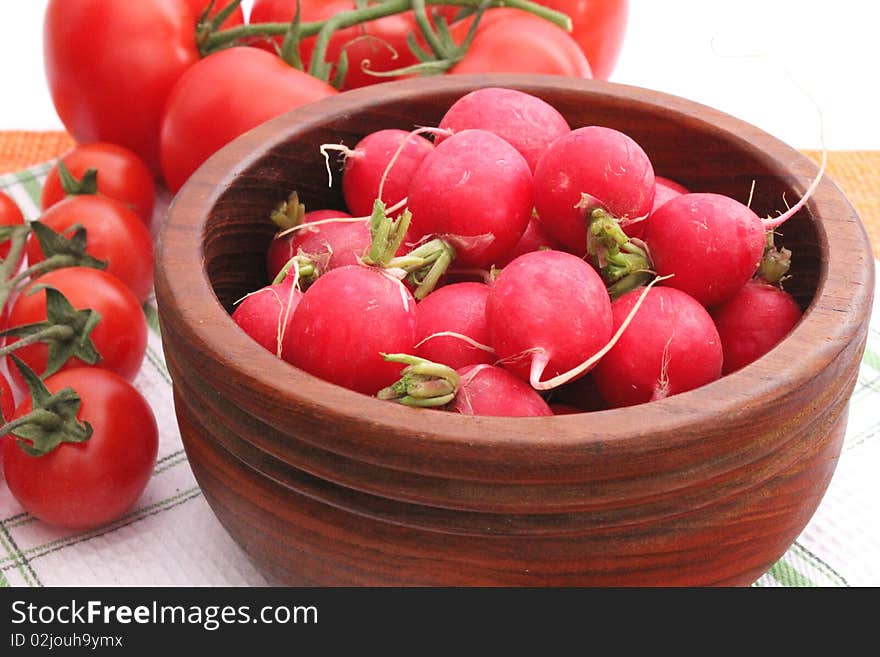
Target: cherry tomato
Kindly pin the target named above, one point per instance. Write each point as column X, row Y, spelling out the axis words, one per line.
column 198, row 6
column 121, row 175
column 10, row 215
column 224, row 95
column 113, row 233
column 599, row 28
column 120, row 337
column 517, row 42
column 88, row 484
column 381, row 42
column 7, row 399
column 110, row 66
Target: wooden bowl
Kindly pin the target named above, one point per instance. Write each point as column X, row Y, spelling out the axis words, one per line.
column 324, row 486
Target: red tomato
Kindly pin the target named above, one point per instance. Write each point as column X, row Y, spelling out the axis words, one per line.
column 113, row 233
column 7, row 399
column 110, row 66
column 599, row 27
column 381, row 42
column 88, row 484
column 10, row 215
column 223, row 96
column 120, row 337
column 121, row 175
column 198, row 6
column 517, row 42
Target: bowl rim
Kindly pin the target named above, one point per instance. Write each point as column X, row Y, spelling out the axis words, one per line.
column 846, row 276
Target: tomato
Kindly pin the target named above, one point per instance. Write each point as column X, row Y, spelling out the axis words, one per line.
column 7, row 399
column 517, row 42
column 110, row 66
column 120, row 337
column 599, row 28
column 10, row 215
column 121, row 175
column 381, row 42
column 221, row 97
column 198, row 6
column 113, row 233
column 87, row 484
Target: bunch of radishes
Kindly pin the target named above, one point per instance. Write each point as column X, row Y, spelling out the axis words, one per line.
column 504, row 263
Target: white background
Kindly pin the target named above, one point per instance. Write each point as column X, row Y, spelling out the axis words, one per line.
column 779, row 64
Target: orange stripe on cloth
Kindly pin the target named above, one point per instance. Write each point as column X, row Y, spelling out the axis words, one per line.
column 20, row 149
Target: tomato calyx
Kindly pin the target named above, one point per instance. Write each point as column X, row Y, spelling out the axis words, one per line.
column 65, row 332
column 423, row 383
column 206, row 26
column 58, row 250
column 72, row 186
column 52, row 419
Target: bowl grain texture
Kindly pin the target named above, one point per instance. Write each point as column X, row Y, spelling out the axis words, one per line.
column 323, row 486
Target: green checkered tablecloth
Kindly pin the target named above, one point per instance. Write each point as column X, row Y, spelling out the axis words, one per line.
column 171, row 537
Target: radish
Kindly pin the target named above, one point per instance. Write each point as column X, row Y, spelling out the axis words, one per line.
column 754, row 321
column 344, row 322
column 592, row 169
column 474, row 190
column 367, row 170
column 331, row 244
column 533, row 238
column 548, row 312
column 452, row 328
column 489, row 390
column 525, row 121
column 665, row 189
column 479, row 389
column 265, row 314
column 709, row 243
column 669, row 347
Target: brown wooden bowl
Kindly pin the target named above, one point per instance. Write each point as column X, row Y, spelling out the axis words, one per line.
column 324, row 486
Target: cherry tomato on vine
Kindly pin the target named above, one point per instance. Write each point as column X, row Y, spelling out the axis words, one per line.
column 121, row 175
column 113, row 233
column 87, row 484
column 381, row 43
column 110, row 66
column 198, row 6
column 221, row 97
column 7, row 399
column 517, row 42
column 120, row 337
column 10, row 215
column 599, row 28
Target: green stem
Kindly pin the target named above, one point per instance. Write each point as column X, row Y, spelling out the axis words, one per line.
column 224, row 38
column 16, row 248
column 59, row 333
column 44, row 267
column 424, row 24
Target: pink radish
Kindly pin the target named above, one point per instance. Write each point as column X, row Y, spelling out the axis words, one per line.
column 493, row 391
column 670, row 346
column 754, row 321
column 479, row 389
column 452, row 327
column 665, row 189
column 344, row 322
column 710, row 244
column 533, row 239
column 367, row 168
column 265, row 315
column 588, row 169
column 548, row 312
column 332, row 244
column 525, row 121
column 474, row 190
